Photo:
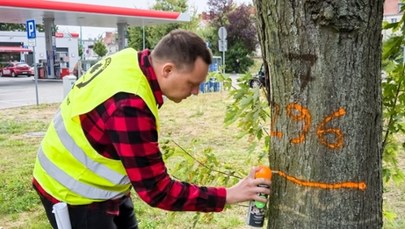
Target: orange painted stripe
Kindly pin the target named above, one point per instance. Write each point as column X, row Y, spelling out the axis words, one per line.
column 353, row 185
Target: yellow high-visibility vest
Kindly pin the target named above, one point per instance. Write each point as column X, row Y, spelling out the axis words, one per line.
column 67, row 166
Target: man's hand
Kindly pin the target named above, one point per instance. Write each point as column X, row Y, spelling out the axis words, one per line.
column 247, row 189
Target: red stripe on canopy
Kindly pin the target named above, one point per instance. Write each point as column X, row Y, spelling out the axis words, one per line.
column 89, row 8
column 14, row 49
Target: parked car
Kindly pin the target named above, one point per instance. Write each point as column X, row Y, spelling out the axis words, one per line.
column 258, row 80
column 16, row 68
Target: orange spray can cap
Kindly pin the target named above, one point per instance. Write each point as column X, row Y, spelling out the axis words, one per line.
column 264, row 172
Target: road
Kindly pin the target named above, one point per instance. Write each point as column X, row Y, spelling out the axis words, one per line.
column 20, row 91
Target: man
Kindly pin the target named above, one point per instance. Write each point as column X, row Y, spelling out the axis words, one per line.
column 104, row 139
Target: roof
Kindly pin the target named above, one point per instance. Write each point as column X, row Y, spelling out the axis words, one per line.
column 13, row 49
column 80, row 14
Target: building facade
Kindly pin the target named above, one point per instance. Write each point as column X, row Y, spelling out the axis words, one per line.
column 392, row 10
column 392, row 14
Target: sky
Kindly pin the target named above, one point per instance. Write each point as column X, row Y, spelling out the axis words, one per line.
column 93, row 32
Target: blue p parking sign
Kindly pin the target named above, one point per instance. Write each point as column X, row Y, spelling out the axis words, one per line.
column 31, row 30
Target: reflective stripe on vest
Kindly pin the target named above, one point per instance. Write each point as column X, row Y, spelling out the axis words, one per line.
column 80, row 188
column 99, row 169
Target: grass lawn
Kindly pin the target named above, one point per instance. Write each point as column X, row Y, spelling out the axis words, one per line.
column 195, row 124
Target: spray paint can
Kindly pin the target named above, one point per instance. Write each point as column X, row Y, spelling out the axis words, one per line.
column 257, row 210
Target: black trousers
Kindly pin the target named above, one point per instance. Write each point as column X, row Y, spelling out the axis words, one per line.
column 83, row 217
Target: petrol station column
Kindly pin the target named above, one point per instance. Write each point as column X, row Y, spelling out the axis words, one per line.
column 122, row 35
column 50, row 45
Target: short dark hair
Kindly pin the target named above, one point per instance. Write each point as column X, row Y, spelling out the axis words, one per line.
column 182, row 47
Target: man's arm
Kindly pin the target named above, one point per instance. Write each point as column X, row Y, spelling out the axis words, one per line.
column 132, row 130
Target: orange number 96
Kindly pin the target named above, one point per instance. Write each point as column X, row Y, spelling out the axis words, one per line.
column 299, row 113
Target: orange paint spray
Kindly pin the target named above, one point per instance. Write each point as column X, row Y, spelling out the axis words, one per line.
column 257, row 210
column 352, row 185
column 256, row 213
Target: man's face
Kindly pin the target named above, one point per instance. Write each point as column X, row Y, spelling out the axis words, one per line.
column 178, row 84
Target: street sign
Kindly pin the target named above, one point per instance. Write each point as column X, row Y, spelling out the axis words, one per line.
column 222, row 45
column 32, row 35
column 222, row 33
column 31, row 42
column 31, row 30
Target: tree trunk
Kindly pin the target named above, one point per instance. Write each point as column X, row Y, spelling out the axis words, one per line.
column 323, row 60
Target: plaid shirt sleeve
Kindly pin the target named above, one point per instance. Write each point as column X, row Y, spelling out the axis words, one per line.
column 131, row 128
column 123, row 128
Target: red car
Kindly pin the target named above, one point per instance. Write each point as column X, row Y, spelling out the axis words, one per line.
column 15, row 69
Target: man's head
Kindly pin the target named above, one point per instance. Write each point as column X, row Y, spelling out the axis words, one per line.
column 180, row 61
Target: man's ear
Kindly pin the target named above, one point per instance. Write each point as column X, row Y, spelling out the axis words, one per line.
column 167, row 69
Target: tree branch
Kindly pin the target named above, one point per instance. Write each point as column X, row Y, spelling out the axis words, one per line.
column 395, row 105
column 202, row 164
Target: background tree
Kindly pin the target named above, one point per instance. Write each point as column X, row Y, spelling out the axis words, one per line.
column 242, row 38
column 11, row 27
column 135, row 37
column 242, row 34
column 19, row 27
column 217, row 11
column 323, row 59
column 393, row 98
column 99, row 48
column 154, row 33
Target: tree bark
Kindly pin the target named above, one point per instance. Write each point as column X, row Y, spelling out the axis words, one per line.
column 323, row 60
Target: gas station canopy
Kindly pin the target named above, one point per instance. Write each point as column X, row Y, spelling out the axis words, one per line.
column 79, row 14
column 74, row 13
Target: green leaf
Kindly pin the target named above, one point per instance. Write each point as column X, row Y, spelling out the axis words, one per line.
column 387, row 25
column 392, row 46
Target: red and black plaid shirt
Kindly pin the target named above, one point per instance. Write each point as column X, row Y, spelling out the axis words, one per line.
column 124, row 128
